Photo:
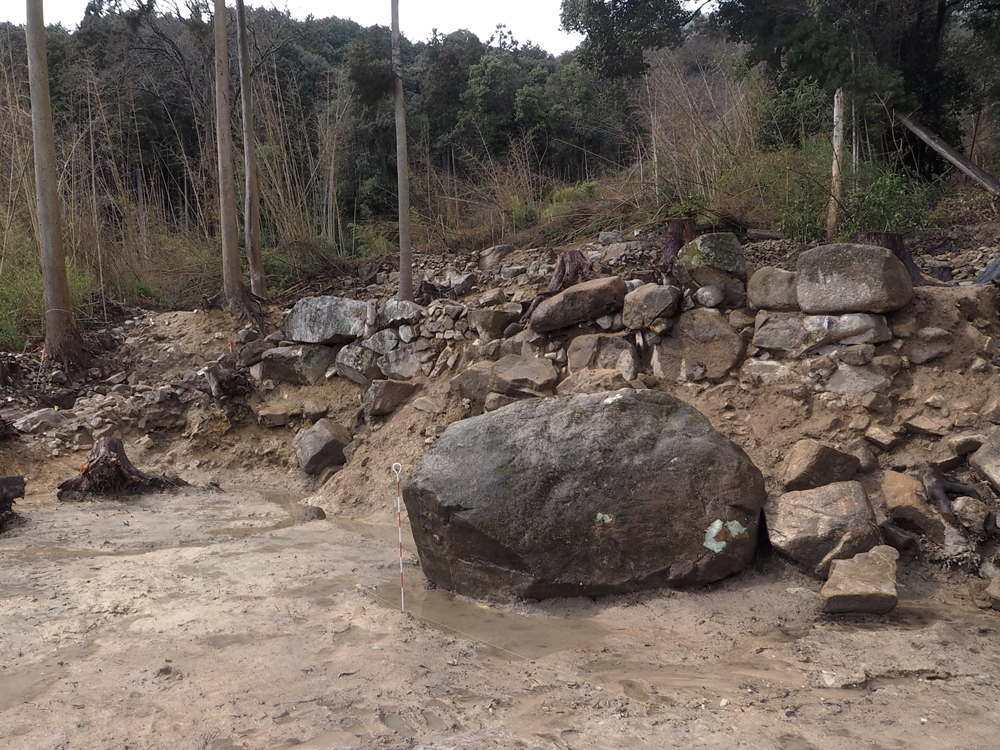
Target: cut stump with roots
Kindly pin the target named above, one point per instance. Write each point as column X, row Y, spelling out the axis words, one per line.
column 108, row 471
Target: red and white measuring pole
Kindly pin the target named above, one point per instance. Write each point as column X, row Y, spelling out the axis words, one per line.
column 398, row 469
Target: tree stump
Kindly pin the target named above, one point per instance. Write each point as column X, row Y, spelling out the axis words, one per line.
column 894, row 241
column 679, row 233
column 108, row 471
column 571, row 268
column 10, row 488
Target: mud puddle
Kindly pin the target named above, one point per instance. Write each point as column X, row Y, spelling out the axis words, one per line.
column 517, row 636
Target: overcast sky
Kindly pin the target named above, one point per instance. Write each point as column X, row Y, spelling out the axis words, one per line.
column 530, row 20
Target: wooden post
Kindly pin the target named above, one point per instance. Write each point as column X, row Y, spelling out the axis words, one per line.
column 837, row 189
column 402, row 166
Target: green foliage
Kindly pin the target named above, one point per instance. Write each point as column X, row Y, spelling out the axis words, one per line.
column 801, row 220
column 889, row 203
column 691, row 206
column 139, row 293
column 574, row 193
column 884, row 54
column 369, row 65
column 799, row 110
column 619, row 32
column 22, row 306
column 524, row 214
column 371, row 240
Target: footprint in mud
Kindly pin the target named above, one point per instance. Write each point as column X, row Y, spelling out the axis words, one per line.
column 398, row 724
column 635, row 691
column 434, row 722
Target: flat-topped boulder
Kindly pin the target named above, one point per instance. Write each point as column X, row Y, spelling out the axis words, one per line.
column 583, row 495
column 864, row 584
column 848, row 278
column 325, row 320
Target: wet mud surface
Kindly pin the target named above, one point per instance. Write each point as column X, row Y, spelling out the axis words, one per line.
column 213, row 619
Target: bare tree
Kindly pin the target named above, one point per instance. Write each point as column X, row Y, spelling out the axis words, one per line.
column 251, row 214
column 232, row 281
column 402, row 166
column 62, row 338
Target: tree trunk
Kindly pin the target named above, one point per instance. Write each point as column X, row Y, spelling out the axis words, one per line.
column 108, row 471
column 251, row 216
column 894, row 241
column 62, row 339
column 232, row 276
column 571, row 268
column 679, row 233
column 402, row 166
column 837, row 189
column 10, row 488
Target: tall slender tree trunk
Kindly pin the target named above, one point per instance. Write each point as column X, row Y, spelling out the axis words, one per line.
column 402, row 166
column 251, row 216
column 62, row 339
column 232, row 277
column 837, row 188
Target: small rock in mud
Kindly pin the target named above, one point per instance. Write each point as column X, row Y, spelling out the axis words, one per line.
column 312, row 513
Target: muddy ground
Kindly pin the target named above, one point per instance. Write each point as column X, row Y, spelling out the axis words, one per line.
column 213, row 618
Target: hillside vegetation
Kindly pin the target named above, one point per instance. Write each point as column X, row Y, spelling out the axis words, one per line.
column 729, row 121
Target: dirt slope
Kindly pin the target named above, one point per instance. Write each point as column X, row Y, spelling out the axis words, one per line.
column 212, row 618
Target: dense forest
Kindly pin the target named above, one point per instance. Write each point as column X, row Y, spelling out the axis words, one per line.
column 660, row 113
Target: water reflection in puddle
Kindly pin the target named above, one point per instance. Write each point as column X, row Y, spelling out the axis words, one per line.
column 529, row 637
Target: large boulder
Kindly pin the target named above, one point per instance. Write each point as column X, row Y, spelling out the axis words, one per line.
column 986, row 460
column 604, row 352
column 473, row 382
column 592, row 381
column 359, row 364
column 701, row 346
column 583, row 495
column 813, row 464
column 772, row 289
column 649, row 302
column 325, row 320
column 41, row 420
column 490, row 323
column 400, row 364
column 714, row 260
column 489, row 259
column 513, row 375
column 905, row 501
column 399, row 312
column 298, row 365
column 796, row 334
column 814, row 527
column 851, row 278
column 321, row 446
column 581, row 302
column 385, row 396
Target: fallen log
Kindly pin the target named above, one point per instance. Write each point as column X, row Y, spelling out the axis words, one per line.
column 108, row 471
column 964, row 165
